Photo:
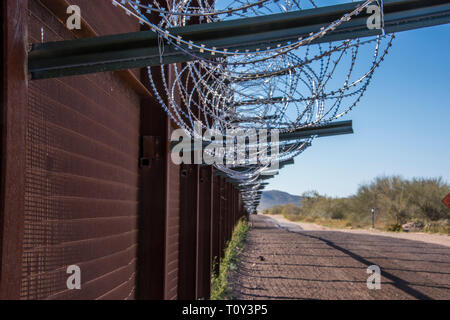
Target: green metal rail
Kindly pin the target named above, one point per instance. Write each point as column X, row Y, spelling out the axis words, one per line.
column 140, row 49
column 331, row 129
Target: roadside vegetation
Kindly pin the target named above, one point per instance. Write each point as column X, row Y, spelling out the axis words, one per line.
column 400, row 204
column 220, row 289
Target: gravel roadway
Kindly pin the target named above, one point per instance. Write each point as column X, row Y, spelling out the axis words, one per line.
column 282, row 260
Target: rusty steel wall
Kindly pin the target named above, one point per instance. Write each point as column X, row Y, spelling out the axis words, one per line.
column 228, row 210
column 153, row 194
column 159, row 228
column 14, row 103
column 172, row 228
column 222, row 215
column 83, row 142
column 215, row 224
column 2, row 111
column 2, row 108
column 189, row 193
column 209, row 208
column 81, row 191
column 204, row 259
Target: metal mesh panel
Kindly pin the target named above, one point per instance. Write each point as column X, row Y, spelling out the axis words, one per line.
column 81, row 196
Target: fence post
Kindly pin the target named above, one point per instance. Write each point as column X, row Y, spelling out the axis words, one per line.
column 188, row 232
column 204, row 234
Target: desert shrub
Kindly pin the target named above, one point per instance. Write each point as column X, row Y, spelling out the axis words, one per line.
column 290, row 209
column 396, row 201
column 441, row 226
column 396, row 227
column 275, row 210
column 337, row 215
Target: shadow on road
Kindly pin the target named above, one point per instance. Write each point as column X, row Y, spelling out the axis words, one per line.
column 301, row 264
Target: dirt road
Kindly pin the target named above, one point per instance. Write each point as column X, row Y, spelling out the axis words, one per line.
column 282, row 261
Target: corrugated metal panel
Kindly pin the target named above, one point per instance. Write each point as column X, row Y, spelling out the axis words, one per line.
column 81, row 180
column 204, row 234
column 152, row 222
column 215, row 224
column 13, row 108
column 172, row 229
column 222, row 213
column 2, row 108
column 2, row 111
column 188, row 232
column 106, row 19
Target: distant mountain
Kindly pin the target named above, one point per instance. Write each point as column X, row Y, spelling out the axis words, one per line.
column 273, row 198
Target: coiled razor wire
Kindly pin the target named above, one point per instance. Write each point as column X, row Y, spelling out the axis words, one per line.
column 285, row 87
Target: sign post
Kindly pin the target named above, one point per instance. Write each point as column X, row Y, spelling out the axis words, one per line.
column 373, row 218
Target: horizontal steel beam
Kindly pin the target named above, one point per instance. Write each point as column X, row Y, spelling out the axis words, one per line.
column 332, row 129
column 281, row 164
column 259, row 101
column 140, row 49
column 248, row 188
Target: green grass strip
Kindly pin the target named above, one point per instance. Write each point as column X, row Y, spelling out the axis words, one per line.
column 220, row 289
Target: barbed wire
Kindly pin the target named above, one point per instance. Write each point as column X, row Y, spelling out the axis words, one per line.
column 287, row 86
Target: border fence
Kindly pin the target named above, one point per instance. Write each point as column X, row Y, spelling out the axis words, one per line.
column 87, row 180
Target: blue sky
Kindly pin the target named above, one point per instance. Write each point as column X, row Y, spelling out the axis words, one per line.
column 402, row 125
